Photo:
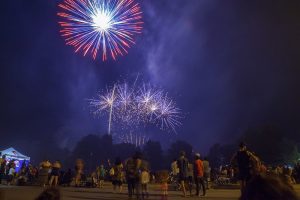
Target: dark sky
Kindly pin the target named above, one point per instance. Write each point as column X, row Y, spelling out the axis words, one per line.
column 230, row 65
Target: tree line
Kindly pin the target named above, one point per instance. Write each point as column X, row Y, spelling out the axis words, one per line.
column 272, row 145
column 267, row 142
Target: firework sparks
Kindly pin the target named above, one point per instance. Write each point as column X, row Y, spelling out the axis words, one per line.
column 91, row 25
column 148, row 100
column 125, row 96
column 136, row 139
column 134, row 107
column 169, row 114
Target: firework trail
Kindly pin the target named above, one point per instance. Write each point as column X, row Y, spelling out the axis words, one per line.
column 107, row 25
column 105, row 103
column 111, row 109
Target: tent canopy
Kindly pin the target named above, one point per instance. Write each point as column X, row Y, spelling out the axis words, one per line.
column 14, row 154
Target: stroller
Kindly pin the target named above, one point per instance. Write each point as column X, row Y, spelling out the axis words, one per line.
column 173, row 181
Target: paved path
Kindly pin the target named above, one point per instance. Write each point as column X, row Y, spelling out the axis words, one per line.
column 27, row 192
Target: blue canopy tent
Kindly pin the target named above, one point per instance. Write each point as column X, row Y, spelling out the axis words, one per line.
column 12, row 154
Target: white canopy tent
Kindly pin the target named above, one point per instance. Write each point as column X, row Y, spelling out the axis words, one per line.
column 11, row 153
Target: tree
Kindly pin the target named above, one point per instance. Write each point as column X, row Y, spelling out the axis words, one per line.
column 289, row 152
column 154, row 154
column 47, row 150
column 124, row 150
column 177, row 147
column 106, row 150
column 265, row 141
column 88, row 149
column 221, row 154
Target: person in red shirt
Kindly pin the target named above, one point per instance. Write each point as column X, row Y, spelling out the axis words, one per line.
column 199, row 171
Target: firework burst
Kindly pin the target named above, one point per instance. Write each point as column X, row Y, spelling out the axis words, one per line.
column 103, row 102
column 107, row 25
column 133, row 107
column 169, row 114
column 148, row 99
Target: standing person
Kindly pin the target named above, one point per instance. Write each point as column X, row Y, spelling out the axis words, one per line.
column 11, row 174
column 108, row 163
column 44, row 172
column 139, row 164
column 199, row 172
column 94, row 178
column 33, row 177
column 297, row 172
column 117, row 177
column 174, row 168
column 2, row 167
column 67, row 178
column 243, row 159
column 101, row 172
column 182, row 164
column 30, row 175
column 145, row 179
column 163, row 177
column 22, row 175
column 206, row 175
column 79, row 166
column 174, row 174
column 190, row 177
column 56, row 166
column 8, row 166
column 130, row 176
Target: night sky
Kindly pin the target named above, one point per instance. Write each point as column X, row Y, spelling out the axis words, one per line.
column 229, row 65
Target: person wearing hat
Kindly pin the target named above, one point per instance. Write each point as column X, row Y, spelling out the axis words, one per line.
column 199, row 172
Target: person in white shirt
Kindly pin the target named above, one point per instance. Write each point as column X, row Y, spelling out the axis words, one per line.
column 11, row 175
column 174, row 168
column 206, row 172
column 145, row 179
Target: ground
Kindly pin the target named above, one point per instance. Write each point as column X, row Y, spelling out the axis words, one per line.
column 71, row 193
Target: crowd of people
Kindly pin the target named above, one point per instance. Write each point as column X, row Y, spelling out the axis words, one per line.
column 192, row 176
column 189, row 173
column 46, row 174
column 260, row 182
column 134, row 171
